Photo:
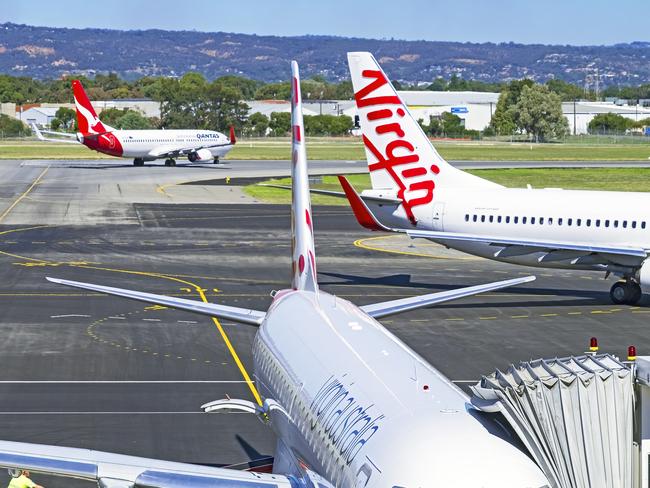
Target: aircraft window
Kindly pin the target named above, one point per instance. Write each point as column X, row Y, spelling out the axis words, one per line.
column 508, row 219
column 474, row 218
column 541, row 221
column 588, row 222
column 532, row 220
column 569, row 222
column 597, row 222
column 491, row 218
column 607, row 223
column 616, row 223
column 559, row 221
column 625, row 224
column 578, row 222
column 466, row 217
column 482, row 218
column 516, row 220
column 550, row 221
column 643, row 225
column 634, row 224
column 499, row 219
column 523, row 220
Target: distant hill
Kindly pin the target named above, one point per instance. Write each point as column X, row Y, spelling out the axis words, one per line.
column 44, row 52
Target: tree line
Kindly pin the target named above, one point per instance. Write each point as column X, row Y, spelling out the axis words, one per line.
column 524, row 107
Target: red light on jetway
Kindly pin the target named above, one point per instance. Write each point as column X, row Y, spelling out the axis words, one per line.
column 593, row 344
column 631, row 353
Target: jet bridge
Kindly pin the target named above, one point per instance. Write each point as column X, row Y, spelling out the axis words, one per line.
column 585, row 420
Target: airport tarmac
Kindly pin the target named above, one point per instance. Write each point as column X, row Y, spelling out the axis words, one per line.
column 82, row 369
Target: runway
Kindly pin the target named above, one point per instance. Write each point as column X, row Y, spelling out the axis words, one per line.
column 86, row 370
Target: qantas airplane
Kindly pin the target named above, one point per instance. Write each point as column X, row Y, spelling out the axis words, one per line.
column 351, row 405
column 142, row 145
column 415, row 191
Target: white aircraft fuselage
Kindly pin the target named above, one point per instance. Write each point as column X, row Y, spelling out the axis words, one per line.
column 589, row 217
column 150, row 144
column 363, row 409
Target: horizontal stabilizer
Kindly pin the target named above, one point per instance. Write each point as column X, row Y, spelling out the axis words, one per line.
column 65, row 137
column 236, row 314
column 361, row 211
column 378, row 310
column 338, row 194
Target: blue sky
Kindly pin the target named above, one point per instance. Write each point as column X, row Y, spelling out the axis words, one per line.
column 526, row 21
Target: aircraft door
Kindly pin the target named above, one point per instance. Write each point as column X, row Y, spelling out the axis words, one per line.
column 437, row 218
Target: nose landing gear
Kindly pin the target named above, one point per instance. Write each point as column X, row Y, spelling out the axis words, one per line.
column 626, row 292
column 138, row 162
column 170, row 162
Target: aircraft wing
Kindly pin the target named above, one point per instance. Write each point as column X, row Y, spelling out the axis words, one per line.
column 111, row 470
column 236, row 314
column 175, row 151
column 553, row 251
column 71, row 138
column 383, row 309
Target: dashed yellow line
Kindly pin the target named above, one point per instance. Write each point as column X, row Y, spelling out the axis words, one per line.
column 196, row 287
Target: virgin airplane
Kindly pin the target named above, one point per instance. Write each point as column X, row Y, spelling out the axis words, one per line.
column 415, row 191
column 351, row 405
column 142, row 145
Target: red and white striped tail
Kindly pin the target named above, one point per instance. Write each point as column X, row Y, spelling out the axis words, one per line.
column 400, row 156
column 87, row 119
column 303, row 259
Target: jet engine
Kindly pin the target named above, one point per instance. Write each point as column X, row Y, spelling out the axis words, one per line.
column 644, row 276
column 200, row 155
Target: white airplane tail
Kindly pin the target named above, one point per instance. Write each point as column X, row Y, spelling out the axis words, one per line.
column 303, row 261
column 400, row 156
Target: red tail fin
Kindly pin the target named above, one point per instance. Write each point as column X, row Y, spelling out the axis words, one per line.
column 87, row 119
column 233, row 140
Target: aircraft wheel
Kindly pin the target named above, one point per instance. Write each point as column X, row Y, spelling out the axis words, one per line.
column 215, row 161
column 619, row 293
column 170, row 162
column 635, row 293
column 138, row 162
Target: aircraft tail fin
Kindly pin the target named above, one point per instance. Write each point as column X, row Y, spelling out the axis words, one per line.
column 233, row 139
column 400, row 155
column 87, row 119
column 303, row 260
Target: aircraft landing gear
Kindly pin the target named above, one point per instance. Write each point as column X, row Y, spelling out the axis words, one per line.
column 215, row 160
column 170, row 162
column 626, row 292
column 138, row 162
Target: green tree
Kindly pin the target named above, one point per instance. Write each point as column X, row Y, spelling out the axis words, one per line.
column 609, row 122
column 280, row 123
column 10, row 127
column 66, row 116
column 132, row 120
column 258, row 124
column 503, row 119
column 539, row 113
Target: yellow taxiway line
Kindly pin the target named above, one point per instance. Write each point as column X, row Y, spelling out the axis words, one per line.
column 24, row 194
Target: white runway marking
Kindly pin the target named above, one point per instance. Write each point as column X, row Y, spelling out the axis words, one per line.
column 67, row 315
column 117, row 318
column 151, row 320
